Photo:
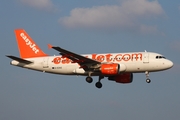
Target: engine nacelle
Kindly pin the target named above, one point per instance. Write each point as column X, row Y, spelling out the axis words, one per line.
column 122, row 78
column 112, row 69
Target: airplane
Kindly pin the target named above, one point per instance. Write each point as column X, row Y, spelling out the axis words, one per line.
column 118, row 67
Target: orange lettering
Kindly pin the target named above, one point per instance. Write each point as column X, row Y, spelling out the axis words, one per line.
column 94, row 56
column 126, row 57
column 137, row 55
column 56, row 60
column 108, row 57
column 100, row 58
column 117, row 57
column 66, row 61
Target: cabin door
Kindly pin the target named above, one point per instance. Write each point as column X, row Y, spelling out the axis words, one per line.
column 146, row 57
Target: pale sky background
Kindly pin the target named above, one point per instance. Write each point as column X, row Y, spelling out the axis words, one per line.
column 95, row 26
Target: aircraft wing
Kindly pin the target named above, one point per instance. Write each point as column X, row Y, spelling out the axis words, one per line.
column 76, row 58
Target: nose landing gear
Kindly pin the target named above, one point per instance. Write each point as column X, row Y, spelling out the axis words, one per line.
column 148, row 80
column 147, row 77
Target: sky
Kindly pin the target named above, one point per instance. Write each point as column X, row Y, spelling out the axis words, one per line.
column 95, row 26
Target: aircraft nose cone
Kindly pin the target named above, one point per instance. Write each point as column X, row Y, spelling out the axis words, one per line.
column 170, row 64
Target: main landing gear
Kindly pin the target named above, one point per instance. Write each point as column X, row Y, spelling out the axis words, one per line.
column 98, row 84
column 89, row 79
column 147, row 77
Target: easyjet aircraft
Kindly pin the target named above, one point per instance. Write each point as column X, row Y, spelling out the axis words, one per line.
column 118, row 67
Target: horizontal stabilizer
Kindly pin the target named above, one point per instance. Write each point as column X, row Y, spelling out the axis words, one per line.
column 19, row 59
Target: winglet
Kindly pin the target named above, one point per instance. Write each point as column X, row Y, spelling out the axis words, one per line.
column 49, row 46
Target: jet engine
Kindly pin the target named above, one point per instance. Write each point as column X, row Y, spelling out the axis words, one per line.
column 112, row 69
column 122, row 78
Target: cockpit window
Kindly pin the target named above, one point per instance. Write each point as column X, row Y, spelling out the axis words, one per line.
column 160, row 57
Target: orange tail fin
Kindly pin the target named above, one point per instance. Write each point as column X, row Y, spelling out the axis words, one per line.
column 27, row 47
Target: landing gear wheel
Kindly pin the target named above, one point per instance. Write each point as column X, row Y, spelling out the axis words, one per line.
column 147, row 77
column 148, row 80
column 99, row 85
column 89, row 79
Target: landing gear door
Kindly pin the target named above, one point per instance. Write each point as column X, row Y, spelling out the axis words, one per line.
column 45, row 62
column 146, row 57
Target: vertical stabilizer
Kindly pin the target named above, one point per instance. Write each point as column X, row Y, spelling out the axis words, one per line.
column 27, row 47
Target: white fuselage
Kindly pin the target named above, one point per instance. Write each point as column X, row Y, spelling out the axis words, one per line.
column 130, row 62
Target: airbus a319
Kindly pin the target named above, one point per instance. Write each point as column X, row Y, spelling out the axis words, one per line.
column 118, row 67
